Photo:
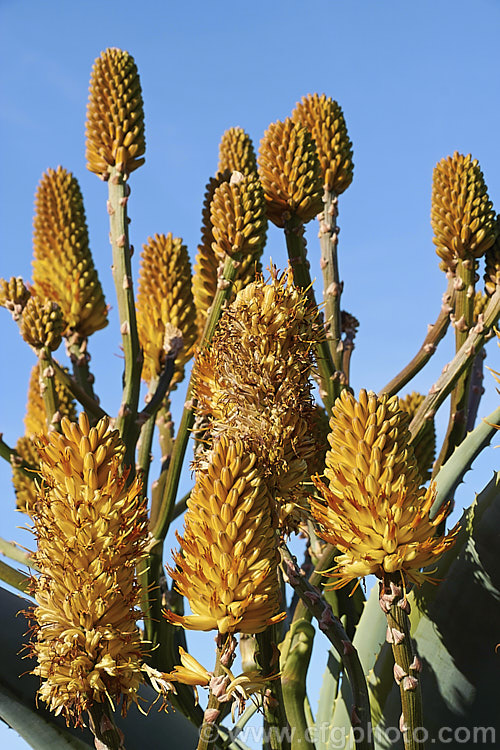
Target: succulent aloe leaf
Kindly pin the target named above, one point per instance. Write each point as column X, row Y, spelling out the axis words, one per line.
column 455, row 628
column 327, row 697
column 40, row 728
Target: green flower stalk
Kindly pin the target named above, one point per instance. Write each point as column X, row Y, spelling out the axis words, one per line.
column 425, row 451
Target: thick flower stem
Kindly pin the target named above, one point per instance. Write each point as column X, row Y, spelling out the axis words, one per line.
column 213, row 712
column 102, row 725
column 407, row 665
column 15, row 460
column 332, row 628
column 48, row 389
column 294, row 662
column 275, row 717
column 332, row 286
column 14, row 578
column 80, row 358
column 330, row 385
column 122, row 275
column 434, row 335
column 464, row 320
column 90, row 404
column 463, row 358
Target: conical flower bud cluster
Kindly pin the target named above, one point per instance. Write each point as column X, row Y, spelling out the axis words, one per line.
column 233, row 215
column 425, row 450
column 35, row 423
column 238, row 217
column 462, row 215
column 165, row 297
column 373, row 509
column 14, row 295
column 324, row 119
column 253, row 383
column 236, row 152
column 227, row 563
column 290, row 173
column 63, row 269
column 42, row 324
column 492, row 263
column 90, row 529
column 115, row 115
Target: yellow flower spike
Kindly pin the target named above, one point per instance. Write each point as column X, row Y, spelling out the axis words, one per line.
column 357, row 513
column 222, row 595
column 14, row 295
column 115, row 116
column 290, row 173
column 42, row 324
column 63, row 269
column 90, row 538
column 425, row 451
column 164, row 297
column 238, row 217
column 324, row 119
column 492, row 263
column 253, row 383
column 236, row 152
column 462, row 216
column 24, row 486
column 35, row 420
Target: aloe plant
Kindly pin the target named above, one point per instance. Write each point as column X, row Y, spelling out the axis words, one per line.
column 350, row 480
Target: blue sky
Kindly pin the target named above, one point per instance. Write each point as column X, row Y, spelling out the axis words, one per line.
column 417, row 81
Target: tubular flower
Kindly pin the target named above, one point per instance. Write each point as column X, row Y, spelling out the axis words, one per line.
column 227, row 563
column 253, row 383
column 290, row 173
column 164, row 297
column 324, row 119
column 237, row 226
column 373, row 510
column 462, row 216
column 91, row 530
column 236, row 152
column 115, row 115
column 63, row 269
column 42, row 324
column 425, row 451
column 14, row 295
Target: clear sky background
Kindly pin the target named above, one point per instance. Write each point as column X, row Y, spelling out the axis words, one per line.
column 416, row 81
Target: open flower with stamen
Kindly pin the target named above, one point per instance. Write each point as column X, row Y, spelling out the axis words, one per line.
column 227, row 562
column 165, row 297
column 254, row 383
column 373, row 509
column 63, row 268
column 90, row 529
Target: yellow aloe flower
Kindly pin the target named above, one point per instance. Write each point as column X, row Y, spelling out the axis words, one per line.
column 324, row 119
column 90, row 530
column 14, row 295
column 290, row 173
column 227, row 563
column 42, row 324
column 115, row 115
column 63, row 268
column 253, row 383
column 236, row 152
column 462, row 216
column 425, row 451
column 164, row 297
column 374, row 510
